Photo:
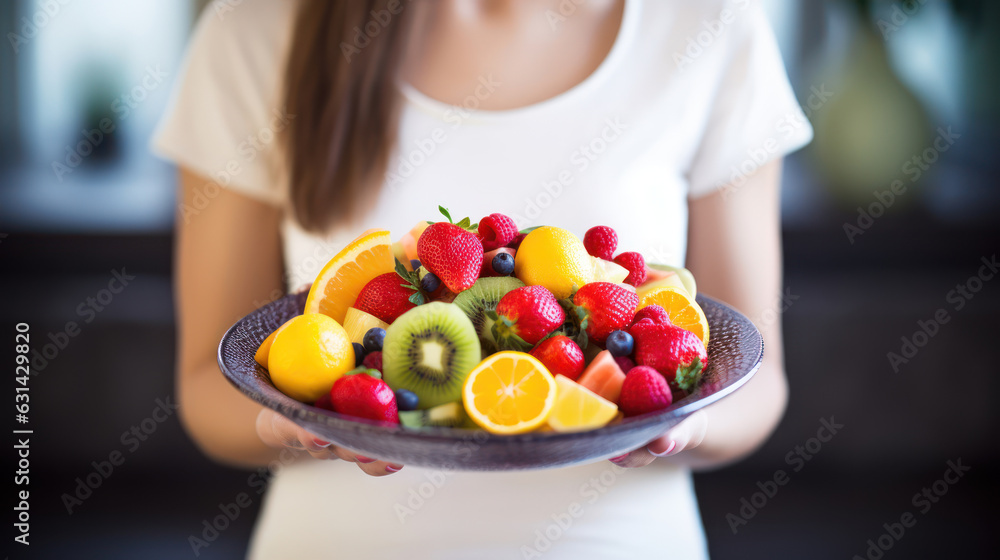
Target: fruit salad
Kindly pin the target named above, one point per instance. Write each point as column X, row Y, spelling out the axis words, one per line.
column 485, row 326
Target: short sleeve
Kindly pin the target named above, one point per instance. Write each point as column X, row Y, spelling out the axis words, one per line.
column 754, row 117
column 225, row 114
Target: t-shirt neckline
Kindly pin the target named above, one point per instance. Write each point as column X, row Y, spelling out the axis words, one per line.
column 626, row 31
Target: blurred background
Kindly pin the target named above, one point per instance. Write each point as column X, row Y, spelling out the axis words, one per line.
column 887, row 217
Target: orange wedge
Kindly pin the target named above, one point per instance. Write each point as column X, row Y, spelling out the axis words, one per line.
column 509, row 393
column 682, row 309
column 341, row 280
column 265, row 347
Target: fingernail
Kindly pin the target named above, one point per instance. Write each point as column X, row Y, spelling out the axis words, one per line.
column 363, row 459
column 668, row 451
column 393, row 468
column 619, row 458
column 320, row 443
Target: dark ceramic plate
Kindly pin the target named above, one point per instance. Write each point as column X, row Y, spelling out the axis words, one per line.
column 735, row 351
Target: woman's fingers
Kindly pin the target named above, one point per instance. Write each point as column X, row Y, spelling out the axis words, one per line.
column 277, row 431
column 686, row 435
column 638, row 458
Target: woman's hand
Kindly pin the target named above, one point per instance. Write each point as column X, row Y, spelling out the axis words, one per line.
column 279, row 432
column 687, row 435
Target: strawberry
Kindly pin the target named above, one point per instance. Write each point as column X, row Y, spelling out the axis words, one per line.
column 362, row 393
column 644, row 390
column 676, row 353
column 495, row 231
column 603, row 307
column 654, row 312
column 636, row 266
column 524, row 316
column 373, row 361
column 385, row 296
column 561, row 356
column 452, row 252
column 601, row 242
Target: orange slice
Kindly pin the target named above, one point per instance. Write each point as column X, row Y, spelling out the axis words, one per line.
column 509, row 393
column 682, row 309
column 265, row 347
column 341, row 280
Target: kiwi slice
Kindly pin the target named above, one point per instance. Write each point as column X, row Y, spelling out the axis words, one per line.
column 430, row 350
column 481, row 298
column 450, row 415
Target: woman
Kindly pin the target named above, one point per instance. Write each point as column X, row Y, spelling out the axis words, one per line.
column 665, row 119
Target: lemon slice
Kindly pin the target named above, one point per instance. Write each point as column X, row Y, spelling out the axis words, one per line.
column 578, row 409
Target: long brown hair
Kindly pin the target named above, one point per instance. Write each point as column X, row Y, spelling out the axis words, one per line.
column 340, row 84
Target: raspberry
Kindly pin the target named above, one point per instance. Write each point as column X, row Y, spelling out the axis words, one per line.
column 495, row 231
column 601, row 242
column 373, row 361
column 636, row 266
column 625, row 363
column 653, row 312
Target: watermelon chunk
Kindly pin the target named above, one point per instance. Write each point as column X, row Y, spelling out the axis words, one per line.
column 604, row 377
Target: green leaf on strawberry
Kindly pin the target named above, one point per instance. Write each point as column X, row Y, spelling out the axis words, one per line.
column 464, row 223
column 412, row 279
column 575, row 325
column 503, row 333
column 366, row 371
column 689, row 376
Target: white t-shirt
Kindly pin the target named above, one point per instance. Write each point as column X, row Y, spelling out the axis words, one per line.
column 692, row 96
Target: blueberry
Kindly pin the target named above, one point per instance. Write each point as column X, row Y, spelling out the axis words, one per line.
column 359, row 353
column 406, row 400
column 374, row 339
column 503, row 264
column 414, row 264
column 430, row 282
column 620, row 343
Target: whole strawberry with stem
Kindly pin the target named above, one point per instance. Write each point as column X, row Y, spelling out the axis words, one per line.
column 601, row 242
column 452, row 252
column 678, row 354
column 495, row 231
column 604, row 307
column 386, row 296
column 362, row 393
column 561, row 356
column 636, row 266
column 644, row 390
column 524, row 316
